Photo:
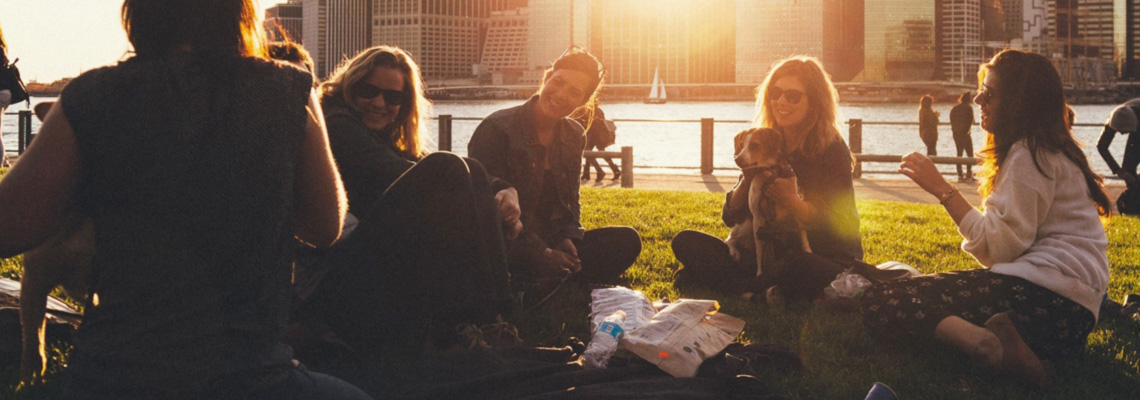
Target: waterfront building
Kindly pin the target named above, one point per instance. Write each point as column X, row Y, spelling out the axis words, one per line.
column 334, row 30
column 554, row 30
column 1079, row 37
column 444, row 36
column 505, row 50
column 770, row 30
column 1128, row 38
column 688, row 41
column 899, row 40
column 959, row 42
column 283, row 21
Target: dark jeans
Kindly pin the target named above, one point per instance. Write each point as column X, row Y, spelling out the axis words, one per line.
column 706, row 262
column 931, row 146
column 964, row 145
column 428, row 256
column 605, row 254
column 1053, row 326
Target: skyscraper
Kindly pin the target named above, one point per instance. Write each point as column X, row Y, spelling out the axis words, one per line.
column 284, row 21
column 770, row 30
column 899, row 40
column 553, row 20
column 335, row 30
column 505, row 47
column 688, row 41
column 1080, row 35
column 444, row 36
column 1129, row 39
column 960, row 34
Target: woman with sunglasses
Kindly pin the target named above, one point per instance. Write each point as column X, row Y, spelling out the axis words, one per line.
column 1040, row 238
column 537, row 147
column 798, row 99
column 427, row 253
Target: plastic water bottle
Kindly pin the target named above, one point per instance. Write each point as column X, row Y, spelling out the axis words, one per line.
column 605, row 341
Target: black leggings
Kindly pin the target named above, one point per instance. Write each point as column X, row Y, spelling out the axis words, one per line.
column 428, row 256
column 605, row 254
column 1053, row 326
column 964, row 145
column 593, row 162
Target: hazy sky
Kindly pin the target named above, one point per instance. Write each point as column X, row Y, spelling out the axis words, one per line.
column 61, row 38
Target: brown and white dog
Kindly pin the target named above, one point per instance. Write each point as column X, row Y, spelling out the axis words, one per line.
column 760, row 151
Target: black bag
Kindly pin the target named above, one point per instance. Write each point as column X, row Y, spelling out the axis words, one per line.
column 10, row 79
column 1129, row 202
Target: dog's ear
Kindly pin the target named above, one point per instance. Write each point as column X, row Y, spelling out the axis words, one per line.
column 738, row 141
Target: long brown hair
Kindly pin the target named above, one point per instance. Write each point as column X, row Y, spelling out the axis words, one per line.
column 820, row 93
column 226, row 27
column 1032, row 107
column 410, row 133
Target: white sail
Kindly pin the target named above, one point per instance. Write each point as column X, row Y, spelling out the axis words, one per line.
column 662, row 84
column 653, row 87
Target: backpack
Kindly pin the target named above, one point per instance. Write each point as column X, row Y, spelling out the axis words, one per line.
column 1129, row 201
column 10, row 80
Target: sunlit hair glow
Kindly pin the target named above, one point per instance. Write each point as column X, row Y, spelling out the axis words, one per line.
column 3, row 49
column 577, row 59
column 409, row 135
column 820, row 123
column 1031, row 106
column 160, row 27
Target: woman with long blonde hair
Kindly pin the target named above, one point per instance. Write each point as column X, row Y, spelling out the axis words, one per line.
column 426, row 253
column 798, row 99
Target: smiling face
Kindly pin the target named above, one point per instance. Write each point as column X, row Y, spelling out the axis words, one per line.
column 564, row 91
column 989, row 100
column 790, row 108
column 377, row 113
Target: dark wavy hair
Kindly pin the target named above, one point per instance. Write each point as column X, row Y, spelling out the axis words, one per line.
column 222, row 27
column 1032, row 108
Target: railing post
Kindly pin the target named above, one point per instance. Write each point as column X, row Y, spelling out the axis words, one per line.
column 24, row 133
column 706, row 146
column 444, row 132
column 855, row 143
column 627, row 166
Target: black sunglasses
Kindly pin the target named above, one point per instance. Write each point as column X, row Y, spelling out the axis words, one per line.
column 367, row 91
column 791, row 95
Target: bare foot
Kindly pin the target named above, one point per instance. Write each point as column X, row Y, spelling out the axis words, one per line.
column 1017, row 358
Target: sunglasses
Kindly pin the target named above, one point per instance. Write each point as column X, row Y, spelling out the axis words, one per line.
column 791, row 95
column 367, row 91
column 987, row 93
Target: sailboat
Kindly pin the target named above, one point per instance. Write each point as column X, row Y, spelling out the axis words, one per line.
column 657, row 91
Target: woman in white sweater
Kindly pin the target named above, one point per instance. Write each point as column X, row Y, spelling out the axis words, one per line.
column 1040, row 238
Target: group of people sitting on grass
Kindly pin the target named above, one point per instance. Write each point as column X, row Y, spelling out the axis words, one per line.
column 200, row 163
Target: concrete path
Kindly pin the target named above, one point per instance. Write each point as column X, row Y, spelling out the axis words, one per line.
column 891, row 189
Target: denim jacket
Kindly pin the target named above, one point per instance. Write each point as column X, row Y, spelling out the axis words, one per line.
column 506, row 142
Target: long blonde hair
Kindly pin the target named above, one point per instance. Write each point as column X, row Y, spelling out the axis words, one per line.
column 821, row 121
column 410, row 133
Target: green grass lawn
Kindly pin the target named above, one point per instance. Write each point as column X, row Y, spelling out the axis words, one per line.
column 842, row 359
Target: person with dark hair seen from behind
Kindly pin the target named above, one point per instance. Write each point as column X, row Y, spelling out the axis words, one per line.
column 961, row 119
column 293, row 53
column 797, row 98
column 928, row 124
column 599, row 135
column 428, row 254
column 1125, row 119
column 5, row 95
column 537, row 147
column 1041, row 238
column 199, row 162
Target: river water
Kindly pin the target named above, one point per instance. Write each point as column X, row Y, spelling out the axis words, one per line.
column 673, row 143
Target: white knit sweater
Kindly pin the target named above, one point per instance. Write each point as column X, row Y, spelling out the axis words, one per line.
column 1042, row 228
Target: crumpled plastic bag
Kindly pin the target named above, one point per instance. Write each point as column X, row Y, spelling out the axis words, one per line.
column 683, row 335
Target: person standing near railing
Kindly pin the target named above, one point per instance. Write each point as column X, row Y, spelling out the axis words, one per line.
column 5, row 96
column 928, row 124
column 1124, row 120
column 599, row 135
column 961, row 119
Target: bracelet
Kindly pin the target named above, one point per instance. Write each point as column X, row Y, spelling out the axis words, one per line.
column 946, row 196
column 546, row 253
